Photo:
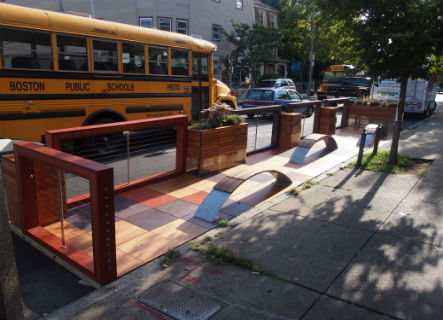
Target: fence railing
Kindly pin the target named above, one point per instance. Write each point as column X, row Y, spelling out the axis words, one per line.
column 256, row 122
column 42, row 175
column 260, row 124
column 129, row 146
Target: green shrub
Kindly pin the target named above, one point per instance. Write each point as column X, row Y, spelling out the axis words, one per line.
column 233, row 119
column 201, row 125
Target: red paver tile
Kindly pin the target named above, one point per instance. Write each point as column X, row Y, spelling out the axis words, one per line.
column 196, row 198
column 147, row 197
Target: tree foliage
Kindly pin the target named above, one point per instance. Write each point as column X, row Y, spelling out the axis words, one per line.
column 393, row 38
column 254, row 46
column 398, row 39
column 331, row 41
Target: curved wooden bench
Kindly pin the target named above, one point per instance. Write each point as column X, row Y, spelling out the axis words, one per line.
column 236, row 178
column 300, row 152
column 222, row 190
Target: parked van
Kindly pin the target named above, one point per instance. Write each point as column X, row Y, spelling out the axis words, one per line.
column 420, row 94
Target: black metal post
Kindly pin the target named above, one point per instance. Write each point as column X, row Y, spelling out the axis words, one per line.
column 362, row 147
column 377, row 139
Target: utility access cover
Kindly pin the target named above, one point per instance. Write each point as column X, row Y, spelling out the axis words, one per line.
column 179, row 302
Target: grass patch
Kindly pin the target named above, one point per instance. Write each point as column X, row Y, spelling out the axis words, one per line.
column 170, row 257
column 294, row 192
column 423, row 170
column 218, row 234
column 206, row 240
column 380, row 162
column 223, row 223
column 308, row 184
column 222, row 256
column 195, row 248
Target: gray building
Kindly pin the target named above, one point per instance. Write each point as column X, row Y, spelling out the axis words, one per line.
column 199, row 18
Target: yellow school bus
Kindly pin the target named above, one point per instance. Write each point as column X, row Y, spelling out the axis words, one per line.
column 59, row 70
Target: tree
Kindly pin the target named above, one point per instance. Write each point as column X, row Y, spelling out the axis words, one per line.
column 303, row 20
column 254, row 46
column 398, row 39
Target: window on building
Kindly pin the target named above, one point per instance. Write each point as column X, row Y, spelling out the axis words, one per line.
column 182, row 26
column 25, row 49
column 216, row 31
column 164, row 24
column 158, row 60
column 105, row 55
column 146, row 22
column 133, row 56
column 72, row 53
column 179, row 62
column 239, row 4
column 262, row 17
column 273, row 19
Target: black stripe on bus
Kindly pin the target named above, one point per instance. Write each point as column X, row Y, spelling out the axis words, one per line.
column 153, row 109
column 91, row 96
column 42, row 115
column 94, row 76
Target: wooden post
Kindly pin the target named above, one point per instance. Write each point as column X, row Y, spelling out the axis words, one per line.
column 103, row 226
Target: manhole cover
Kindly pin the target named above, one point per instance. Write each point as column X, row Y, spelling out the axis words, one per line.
column 179, row 302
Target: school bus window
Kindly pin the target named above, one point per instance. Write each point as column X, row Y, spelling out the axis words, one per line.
column 72, row 53
column 158, row 60
column 179, row 62
column 133, row 55
column 105, row 54
column 23, row 49
column 204, row 67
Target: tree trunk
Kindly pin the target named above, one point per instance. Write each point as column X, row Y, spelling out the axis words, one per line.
column 398, row 121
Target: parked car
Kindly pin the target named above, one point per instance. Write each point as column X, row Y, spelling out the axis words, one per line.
column 277, row 83
column 346, row 87
column 260, row 97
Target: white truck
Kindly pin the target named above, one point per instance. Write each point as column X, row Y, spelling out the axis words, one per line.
column 420, row 94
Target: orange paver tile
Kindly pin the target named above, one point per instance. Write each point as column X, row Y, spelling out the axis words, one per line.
column 203, row 185
column 196, row 198
column 233, row 170
column 125, row 231
column 162, row 184
column 187, row 179
column 70, row 230
column 83, row 243
column 147, row 197
column 126, row 262
column 147, row 247
column 180, row 230
column 182, row 192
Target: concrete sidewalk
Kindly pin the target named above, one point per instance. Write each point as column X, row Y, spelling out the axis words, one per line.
column 355, row 245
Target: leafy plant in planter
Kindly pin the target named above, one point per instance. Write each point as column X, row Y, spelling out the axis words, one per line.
column 374, row 103
column 217, row 142
column 217, row 116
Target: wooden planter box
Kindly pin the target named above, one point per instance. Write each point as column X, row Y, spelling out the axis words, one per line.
column 216, row 149
column 360, row 116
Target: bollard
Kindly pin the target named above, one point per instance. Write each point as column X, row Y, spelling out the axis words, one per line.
column 362, row 147
column 377, row 139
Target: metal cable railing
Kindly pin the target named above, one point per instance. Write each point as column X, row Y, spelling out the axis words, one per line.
column 137, row 150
